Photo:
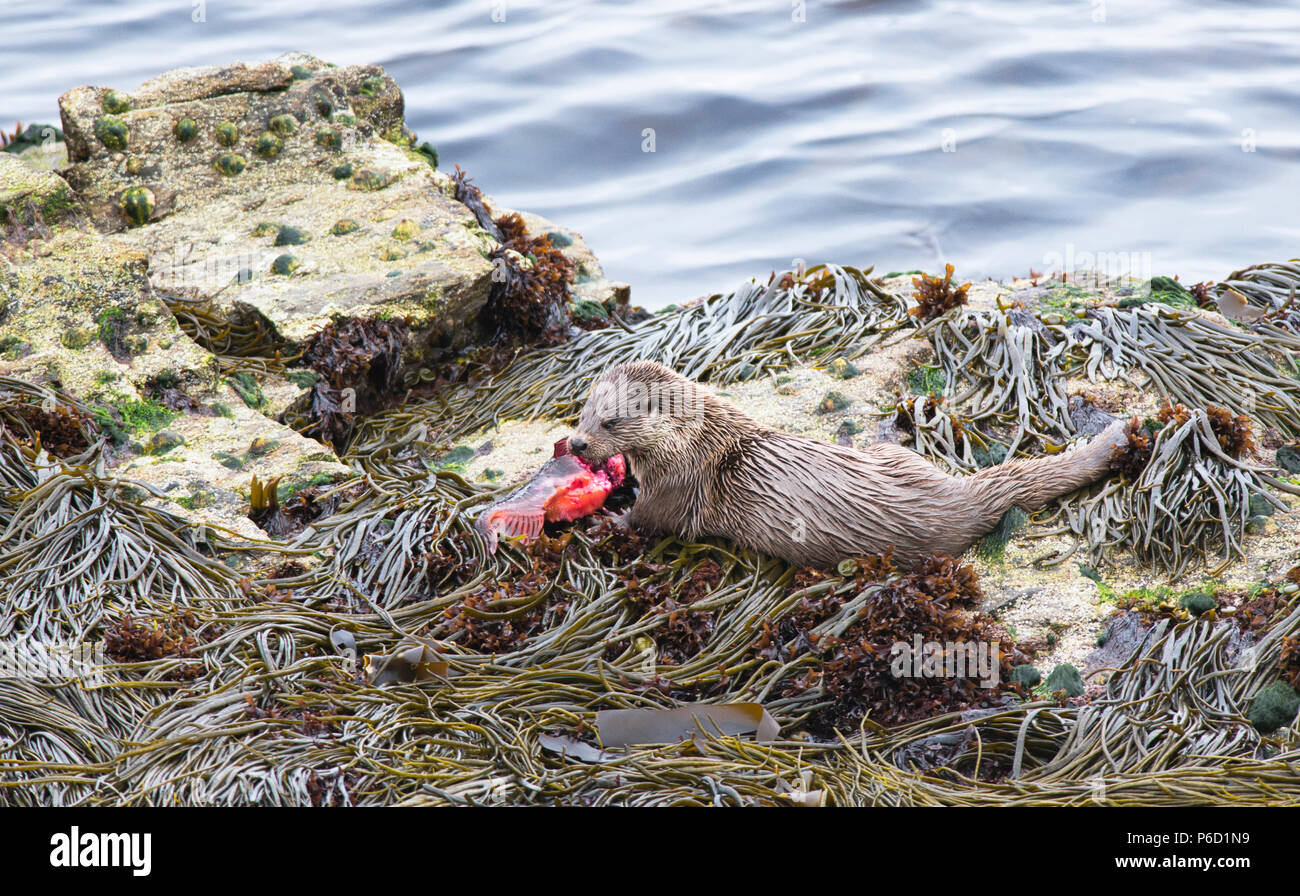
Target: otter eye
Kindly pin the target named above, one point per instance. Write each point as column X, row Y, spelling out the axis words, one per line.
column 611, row 423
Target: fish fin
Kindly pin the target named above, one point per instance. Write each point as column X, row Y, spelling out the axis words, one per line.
column 520, row 523
column 488, row 531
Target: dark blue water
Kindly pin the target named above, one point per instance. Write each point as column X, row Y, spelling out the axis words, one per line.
column 1079, row 127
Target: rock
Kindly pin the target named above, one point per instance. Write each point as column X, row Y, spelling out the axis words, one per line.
column 223, row 149
column 1261, row 506
column 24, row 187
column 310, row 149
column 85, row 297
column 1288, row 458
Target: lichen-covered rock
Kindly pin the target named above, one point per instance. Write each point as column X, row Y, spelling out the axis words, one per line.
column 80, row 309
column 23, row 186
column 223, row 149
column 300, row 142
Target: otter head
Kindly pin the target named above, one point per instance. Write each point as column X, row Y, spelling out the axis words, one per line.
column 632, row 410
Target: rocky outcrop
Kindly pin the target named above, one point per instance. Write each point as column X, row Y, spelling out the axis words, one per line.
column 79, row 316
column 26, row 190
column 290, row 191
column 280, row 197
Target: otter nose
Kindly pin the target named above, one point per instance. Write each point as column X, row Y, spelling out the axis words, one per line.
column 577, row 443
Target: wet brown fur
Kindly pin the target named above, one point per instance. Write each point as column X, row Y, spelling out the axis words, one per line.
column 707, row 468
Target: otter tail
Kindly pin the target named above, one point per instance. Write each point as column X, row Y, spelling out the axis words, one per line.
column 1029, row 484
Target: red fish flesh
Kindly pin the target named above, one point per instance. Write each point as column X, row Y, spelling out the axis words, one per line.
column 566, row 488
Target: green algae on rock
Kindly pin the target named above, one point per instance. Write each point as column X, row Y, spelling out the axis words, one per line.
column 832, row 402
column 1198, row 603
column 1274, row 707
column 285, row 264
column 116, row 102
column 370, row 179
column 283, row 125
column 1027, row 676
column 405, row 230
column 291, row 236
column 23, row 188
column 329, row 138
column 1065, row 678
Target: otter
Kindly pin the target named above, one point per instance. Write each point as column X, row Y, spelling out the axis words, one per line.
column 707, row 468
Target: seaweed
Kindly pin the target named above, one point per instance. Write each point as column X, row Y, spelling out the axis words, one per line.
column 47, row 419
column 936, row 296
column 936, row 603
column 827, row 311
column 595, row 618
column 469, row 195
column 529, row 299
column 131, row 640
column 358, row 364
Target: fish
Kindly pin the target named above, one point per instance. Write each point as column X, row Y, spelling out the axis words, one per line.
column 565, row 488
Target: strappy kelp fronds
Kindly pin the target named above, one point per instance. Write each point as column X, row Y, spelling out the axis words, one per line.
column 1194, row 498
column 243, row 342
column 252, row 687
column 285, row 718
column 266, row 700
column 1008, row 367
column 42, row 417
column 1268, row 289
column 77, row 546
column 1193, row 360
column 828, row 312
column 939, row 435
column 1187, row 492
